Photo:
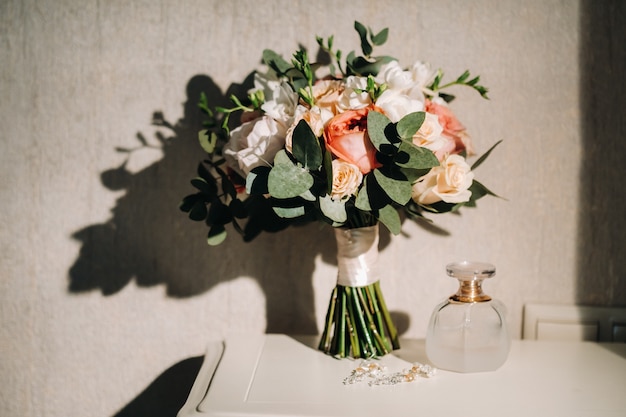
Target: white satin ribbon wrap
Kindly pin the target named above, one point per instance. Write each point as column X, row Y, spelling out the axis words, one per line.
column 357, row 253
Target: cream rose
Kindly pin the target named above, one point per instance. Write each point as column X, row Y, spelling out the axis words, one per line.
column 315, row 117
column 430, row 136
column 326, row 94
column 448, row 182
column 253, row 144
column 346, row 179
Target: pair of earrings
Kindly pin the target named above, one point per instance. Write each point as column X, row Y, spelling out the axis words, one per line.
column 376, row 374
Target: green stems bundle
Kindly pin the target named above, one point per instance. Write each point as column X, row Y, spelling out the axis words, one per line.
column 358, row 323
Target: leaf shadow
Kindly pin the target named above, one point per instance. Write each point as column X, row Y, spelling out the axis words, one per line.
column 149, row 241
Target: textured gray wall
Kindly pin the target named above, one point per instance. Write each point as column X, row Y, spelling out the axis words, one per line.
column 105, row 285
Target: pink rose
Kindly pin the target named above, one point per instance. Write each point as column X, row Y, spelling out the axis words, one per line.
column 346, row 138
column 451, row 127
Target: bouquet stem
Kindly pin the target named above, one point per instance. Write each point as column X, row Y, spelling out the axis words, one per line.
column 358, row 323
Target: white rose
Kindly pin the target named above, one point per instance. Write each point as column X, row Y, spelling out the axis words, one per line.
column 253, row 144
column 281, row 104
column 354, row 96
column 397, row 105
column 422, row 76
column 395, row 77
column 410, row 82
column 448, row 182
column 347, row 178
column 265, row 82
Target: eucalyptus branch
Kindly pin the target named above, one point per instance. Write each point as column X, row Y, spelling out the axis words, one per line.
column 373, row 89
column 228, row 111
column 461, row 80
column 334, row 55
column 301, row 63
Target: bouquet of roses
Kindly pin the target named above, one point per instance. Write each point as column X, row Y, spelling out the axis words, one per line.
column 350, row 143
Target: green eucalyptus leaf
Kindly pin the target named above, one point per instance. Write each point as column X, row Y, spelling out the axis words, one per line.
column 217, row 234
column 479, row 190
column 376, row 126
column 448, row 98
column 485, row 155
column 276, row 62
column 298, row 81
column 381, row 37
column 286, row 179
column 410, row 124
column 207, row 140
column 365, row 45
column 362, row 201
column 364, row 67
column 333, row 209
column 415, row 157
column 305, row 146
column 389, row 216
column 413, row 175
column 308, row 196
column 289, row 212
column 463, row 77
column 371, row 195
column 328, row 168
column 399, row 190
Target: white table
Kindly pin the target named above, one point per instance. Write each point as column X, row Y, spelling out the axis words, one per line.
column 278, row 375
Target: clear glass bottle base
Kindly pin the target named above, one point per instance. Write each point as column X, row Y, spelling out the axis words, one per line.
column 468, row 331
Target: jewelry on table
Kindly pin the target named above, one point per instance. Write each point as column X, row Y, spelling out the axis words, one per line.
column 376, row 374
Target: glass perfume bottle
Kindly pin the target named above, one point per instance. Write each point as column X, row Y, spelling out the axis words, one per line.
column 468, row 331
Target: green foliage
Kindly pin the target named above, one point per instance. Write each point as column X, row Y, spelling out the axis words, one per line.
column 286, row 179
column 306, row 147
column 461, row 80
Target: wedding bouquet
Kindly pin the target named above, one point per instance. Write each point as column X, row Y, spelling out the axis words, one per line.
column 351, row 142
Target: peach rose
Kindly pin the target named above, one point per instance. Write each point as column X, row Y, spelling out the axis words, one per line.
column 448, row 182
column 326, row 94
column 451, row 126
column 346, row 179
column 346, row 138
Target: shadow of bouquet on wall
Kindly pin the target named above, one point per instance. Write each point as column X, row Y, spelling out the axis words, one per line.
column 149, row 240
